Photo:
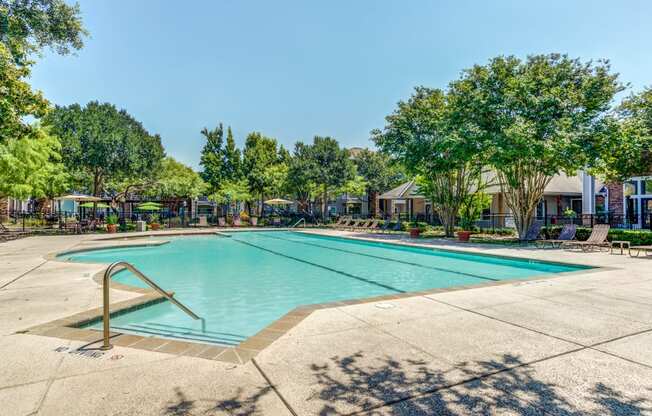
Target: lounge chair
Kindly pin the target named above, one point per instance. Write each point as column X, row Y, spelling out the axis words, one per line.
column 370, row 226
column 339, row 223
column 353, row 226
column 598, row 238
column 638, row 249
column 567, row 234
column 363, row 225
column 532, row 233
column 384, row 226
column 7, row 234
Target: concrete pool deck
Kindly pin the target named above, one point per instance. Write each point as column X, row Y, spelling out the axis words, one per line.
column 571, row 345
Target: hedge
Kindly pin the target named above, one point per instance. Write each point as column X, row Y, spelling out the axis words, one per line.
column 635, row 237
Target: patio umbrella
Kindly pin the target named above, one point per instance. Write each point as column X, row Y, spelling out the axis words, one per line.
column 78, row 198
column 278, row 201
column 148, row 207
column 97, row 205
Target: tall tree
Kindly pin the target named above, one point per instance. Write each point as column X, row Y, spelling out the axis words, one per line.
column 299, row 181
column 212, row 157
column 535, row 118
column 259, row 155
column 232, row 158
column 330, row 167
column 426, row 135
column 102, row 144
column 380, row 173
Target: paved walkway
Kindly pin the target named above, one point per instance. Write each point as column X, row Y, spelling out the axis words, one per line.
column 574, row 345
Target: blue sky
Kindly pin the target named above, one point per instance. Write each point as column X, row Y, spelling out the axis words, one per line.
column 294, row 69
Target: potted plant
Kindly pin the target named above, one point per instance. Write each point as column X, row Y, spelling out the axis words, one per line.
column 253, row 221
column 112, row 223
column 154, row 225
column 470, row 211
column 415, row 231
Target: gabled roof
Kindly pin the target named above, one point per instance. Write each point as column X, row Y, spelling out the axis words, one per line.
column 408, row 189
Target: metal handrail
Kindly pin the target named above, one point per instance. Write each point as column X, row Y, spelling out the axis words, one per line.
column 106, row 286
column 297, row 223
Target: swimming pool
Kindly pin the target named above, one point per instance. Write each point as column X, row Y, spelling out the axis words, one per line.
column 242, row 283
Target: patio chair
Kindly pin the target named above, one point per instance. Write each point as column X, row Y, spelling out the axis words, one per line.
column 339, row 223
column 7, row 234
column 598, row 238
column 532, row 233
column 370, row 226
column 567, row 234
column 355, row 225
column 276, row 222
column 645, row 249
column 363, row 225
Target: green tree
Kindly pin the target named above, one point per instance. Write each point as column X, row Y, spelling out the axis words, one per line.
column 102, row 144
column 177, row 181
column 212, row 157
column 31, row 167
column 232, row 158
column 231, row 193
column 534, row 119
column 427, row 136
column 330, row 168
column 380, row 173
column 259, row 155
column 627, row 139
column 299, row 181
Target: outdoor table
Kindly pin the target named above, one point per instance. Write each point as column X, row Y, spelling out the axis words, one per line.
column 621, row 244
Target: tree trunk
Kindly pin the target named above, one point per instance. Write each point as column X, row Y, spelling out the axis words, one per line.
column 324, row 203
column 523, row 190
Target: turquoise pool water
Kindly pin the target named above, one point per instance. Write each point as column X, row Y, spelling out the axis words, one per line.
column 243, row 283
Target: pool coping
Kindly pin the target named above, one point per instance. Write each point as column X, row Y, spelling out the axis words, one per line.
column 70, row 327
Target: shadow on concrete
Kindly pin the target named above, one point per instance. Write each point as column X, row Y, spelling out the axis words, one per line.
column 411, row 388
column 237, row 405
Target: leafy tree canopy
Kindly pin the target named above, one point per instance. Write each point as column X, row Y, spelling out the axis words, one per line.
column 176, row 180
column 212, row 156
column 28, row 26
column 379, row 171
column 259, row 155
column 103, row 144
column 534, row 119
column 232, row 158
column 428, row 135
column 31, row 166
column 627, row 139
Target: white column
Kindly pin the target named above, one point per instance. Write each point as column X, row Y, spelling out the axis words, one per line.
column 588, row 193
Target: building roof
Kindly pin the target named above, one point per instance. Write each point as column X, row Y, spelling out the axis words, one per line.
column 561, row 184
column 408, row 189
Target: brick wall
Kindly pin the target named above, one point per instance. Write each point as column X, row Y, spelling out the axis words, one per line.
column 616, row 198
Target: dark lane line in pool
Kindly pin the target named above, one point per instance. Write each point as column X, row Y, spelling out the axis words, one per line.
column 352, row 276
column 440, row 269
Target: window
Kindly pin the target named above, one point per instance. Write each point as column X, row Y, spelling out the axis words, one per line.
column 629, row 188
column 646, row 187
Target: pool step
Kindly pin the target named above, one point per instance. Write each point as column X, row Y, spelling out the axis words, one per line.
column 181, row 333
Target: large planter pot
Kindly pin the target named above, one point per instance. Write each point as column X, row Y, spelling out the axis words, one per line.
column 253, row 221
column 414, row 232
column 154, row 226
column 112, row 228
column 463, row 235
